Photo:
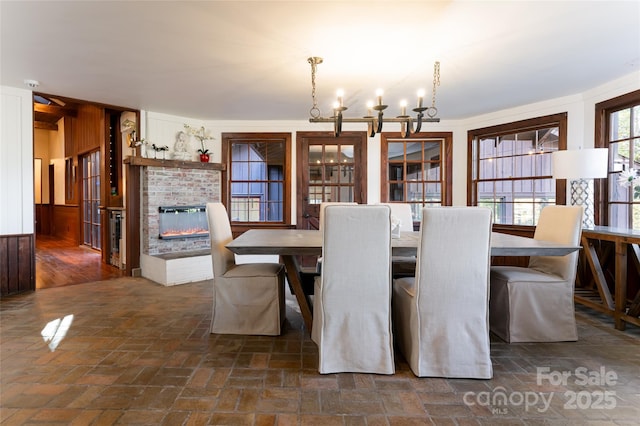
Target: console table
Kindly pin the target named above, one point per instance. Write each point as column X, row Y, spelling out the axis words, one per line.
column 624, row 242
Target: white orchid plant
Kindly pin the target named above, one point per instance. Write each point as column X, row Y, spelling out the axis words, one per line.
column 631, row 178
column 201, row 134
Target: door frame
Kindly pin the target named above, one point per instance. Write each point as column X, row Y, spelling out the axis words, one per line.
column 360, row 162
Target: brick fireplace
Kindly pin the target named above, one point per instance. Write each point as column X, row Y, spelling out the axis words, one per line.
column 174, row 183
column 162, row 186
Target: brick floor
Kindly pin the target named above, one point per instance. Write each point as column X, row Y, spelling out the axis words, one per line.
column 136, row 352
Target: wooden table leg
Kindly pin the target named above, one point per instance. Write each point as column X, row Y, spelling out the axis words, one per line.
column 293, row 276
column 621, row 243
column 634, row 308
column 598, row 275
column 621, row 284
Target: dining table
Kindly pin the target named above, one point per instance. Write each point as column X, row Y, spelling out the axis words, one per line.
column 291, row 243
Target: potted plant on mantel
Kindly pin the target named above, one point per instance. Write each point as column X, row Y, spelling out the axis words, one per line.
column 202, row 135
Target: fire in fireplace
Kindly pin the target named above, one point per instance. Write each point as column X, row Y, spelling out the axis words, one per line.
column 183, row 222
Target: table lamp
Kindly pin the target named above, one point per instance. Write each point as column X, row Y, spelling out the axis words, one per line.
column 581, row 166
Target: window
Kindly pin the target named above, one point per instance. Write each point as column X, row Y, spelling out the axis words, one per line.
column 257, row 177
column 618, row 128
column 416, row 170
column 510, row 168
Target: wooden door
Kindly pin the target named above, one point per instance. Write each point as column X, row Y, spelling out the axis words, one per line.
column 329, row 169
column 90, row 200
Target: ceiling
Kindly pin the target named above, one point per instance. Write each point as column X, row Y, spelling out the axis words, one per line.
column 247, row 60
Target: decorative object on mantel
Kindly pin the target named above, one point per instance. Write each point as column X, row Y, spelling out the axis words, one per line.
column 128, row 130
column 202, row 135
column 630, row 178
column 157, row 148
column 181, row 148
column 374, row 124
column 133, row 143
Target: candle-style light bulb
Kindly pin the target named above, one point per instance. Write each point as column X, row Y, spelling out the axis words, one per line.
column 379, row 94
column 340, row 94
column 336, row 105
column 420, row 97
column 369, row 107
column 403, row 107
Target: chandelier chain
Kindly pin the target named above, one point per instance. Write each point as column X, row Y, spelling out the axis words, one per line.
column 314, row 111
column 436, row 82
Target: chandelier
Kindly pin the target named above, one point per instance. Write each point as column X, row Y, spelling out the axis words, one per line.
column 375, row 121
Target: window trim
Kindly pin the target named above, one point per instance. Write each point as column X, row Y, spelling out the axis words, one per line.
column 602, row 111
column 227, row 139
column 559, row 120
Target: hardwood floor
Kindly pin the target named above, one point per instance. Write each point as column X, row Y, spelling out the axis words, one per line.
column 59, row 263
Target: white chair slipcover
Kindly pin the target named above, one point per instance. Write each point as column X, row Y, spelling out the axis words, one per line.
column 321, row 219
column 247, row 298
column 441, row 319
column 325, row 204
column 402, row 266
column 535, row 304
column 352, row 303
column 402, row 211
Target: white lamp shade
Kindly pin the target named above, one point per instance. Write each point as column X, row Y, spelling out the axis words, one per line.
column 580, row 163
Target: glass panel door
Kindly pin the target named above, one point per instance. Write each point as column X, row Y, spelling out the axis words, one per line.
column 91, row 200
column 330, row 169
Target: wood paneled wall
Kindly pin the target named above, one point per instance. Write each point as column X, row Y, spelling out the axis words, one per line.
column 66, row 223
column 44, row 213
column 17, row 264
column 87, row 130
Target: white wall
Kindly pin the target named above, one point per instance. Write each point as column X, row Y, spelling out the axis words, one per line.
column 56, row 149
column 580, row 111
column 16, row 145
column 49, row 146
column 16, row 161
column 41, row 141
column 161, row 129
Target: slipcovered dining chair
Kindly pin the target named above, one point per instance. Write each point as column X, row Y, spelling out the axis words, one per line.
column 309, row 274
column 402, row 266
column 325, row 204
column 402, row 212
column 321, row 220
column 248, row 298
column 441, row 318
column 535, row 304
column 352, row 302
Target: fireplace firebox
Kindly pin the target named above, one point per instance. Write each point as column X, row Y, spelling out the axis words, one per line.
column 183, row 222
